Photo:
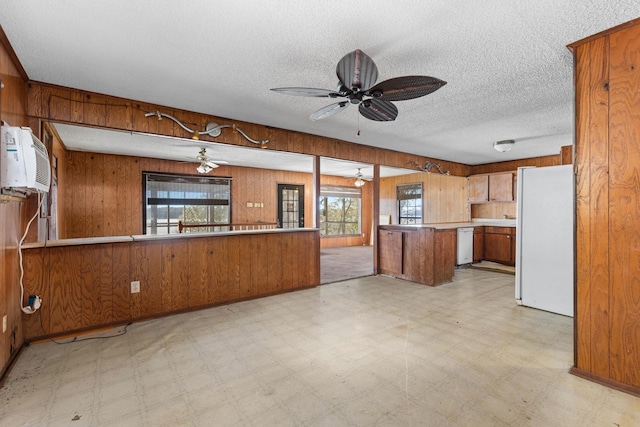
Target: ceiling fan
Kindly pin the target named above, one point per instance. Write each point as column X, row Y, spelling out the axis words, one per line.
column 360, row 179
column 357, row 74
column 206, row 163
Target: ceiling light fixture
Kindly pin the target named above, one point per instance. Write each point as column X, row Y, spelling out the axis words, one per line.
column 504, row 146
column 359, row 182
column 212, row 129
column 204, row 168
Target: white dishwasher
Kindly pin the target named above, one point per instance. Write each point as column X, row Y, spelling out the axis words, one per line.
column 465, row 245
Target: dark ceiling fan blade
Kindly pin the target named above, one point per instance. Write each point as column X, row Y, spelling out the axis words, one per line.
column 329, row 110
column 407, row 87
column 307, row 91
column 357, row 71
column 380, row 111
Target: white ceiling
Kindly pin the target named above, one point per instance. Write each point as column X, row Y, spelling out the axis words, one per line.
column 508, row 70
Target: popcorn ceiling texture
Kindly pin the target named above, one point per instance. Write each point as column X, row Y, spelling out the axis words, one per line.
column 508, row 70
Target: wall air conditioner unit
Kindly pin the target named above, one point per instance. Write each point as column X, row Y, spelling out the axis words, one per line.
column 24, row 162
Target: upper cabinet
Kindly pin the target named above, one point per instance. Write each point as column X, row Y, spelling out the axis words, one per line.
column 478, row 188
column 501, row 187
column 492, row 187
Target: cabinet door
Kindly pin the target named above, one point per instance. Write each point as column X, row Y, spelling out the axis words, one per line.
column 390, row 247
column 501, row 187
column 478, row 188
column 478, row 244
column 513, row 246
column 497, row 247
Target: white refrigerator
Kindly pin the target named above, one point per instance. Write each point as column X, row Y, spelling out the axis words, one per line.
column 544, row 238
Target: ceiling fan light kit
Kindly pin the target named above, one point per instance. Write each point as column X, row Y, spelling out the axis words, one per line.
column 357, row 75
column 504, row 146
column 212, row 129
column 360, row 179
column 206, row 164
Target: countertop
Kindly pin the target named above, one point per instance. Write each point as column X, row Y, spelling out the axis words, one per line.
column 476, row 222
column 151, row 237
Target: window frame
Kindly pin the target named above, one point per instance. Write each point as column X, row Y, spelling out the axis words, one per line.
column 418, row 220
column 338, row 191
column 173, row 201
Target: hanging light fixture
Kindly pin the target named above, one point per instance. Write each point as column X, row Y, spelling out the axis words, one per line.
column 206, row 164
column 204, row 168
column 504, row 146
column 359, row 182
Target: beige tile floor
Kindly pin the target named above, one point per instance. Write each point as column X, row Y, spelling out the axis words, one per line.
column 366, row 352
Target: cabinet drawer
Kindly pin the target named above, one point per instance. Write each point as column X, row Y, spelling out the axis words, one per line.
column 500, row 230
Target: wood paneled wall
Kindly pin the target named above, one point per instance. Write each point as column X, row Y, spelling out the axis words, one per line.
column 13, row 111
column 93, row 288
column 607, row 164
column 515, row 164
column 53, row 103
column 495, row 210
column 103, row 192
column 444, row 197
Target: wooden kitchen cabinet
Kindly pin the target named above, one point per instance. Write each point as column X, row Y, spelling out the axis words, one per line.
column 501, row 187
column 478, row 188
column 419, row 254
column 391, row 250
column 492, row 187
column 478, row 244
column 499, row 245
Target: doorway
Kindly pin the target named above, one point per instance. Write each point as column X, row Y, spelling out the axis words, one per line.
column 290, row 206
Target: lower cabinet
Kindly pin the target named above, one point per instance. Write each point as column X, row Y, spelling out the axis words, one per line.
column 391, row 251
column 499, row 245
column 419, row 254
column 478, row 244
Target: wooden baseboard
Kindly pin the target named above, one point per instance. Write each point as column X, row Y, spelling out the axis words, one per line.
column 626, row 388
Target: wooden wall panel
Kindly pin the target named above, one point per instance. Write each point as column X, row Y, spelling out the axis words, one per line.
column 624, row 200
column 444, row 197
column 566, row 155
column 494, row 210
column 89, row 285
column 607, row 163
column 103, row 193
column 515, row 164
column 13, row 104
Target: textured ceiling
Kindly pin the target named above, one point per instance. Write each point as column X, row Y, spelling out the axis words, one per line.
column 507, row 68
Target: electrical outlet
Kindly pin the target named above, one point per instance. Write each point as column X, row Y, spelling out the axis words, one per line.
column 4, row 323
column 135, row 287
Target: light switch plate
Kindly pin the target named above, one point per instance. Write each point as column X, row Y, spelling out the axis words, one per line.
column 135, row 287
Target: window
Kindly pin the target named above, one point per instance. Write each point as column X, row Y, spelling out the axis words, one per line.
column 340, row 211
column 191, row 199
column 409, row 203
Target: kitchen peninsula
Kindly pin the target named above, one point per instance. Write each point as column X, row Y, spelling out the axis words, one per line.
column 419, row 253
column 424, row 253
column 88, row 283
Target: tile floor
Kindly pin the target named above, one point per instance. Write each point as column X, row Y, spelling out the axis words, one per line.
column 364, row 352
column 345, row 262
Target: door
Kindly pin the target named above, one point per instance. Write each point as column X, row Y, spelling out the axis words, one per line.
column 290, row 206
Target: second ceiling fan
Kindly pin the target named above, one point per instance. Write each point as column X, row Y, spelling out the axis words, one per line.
column 357, row 75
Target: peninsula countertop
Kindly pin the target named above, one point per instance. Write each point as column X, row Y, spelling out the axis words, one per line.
column 476, row 222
